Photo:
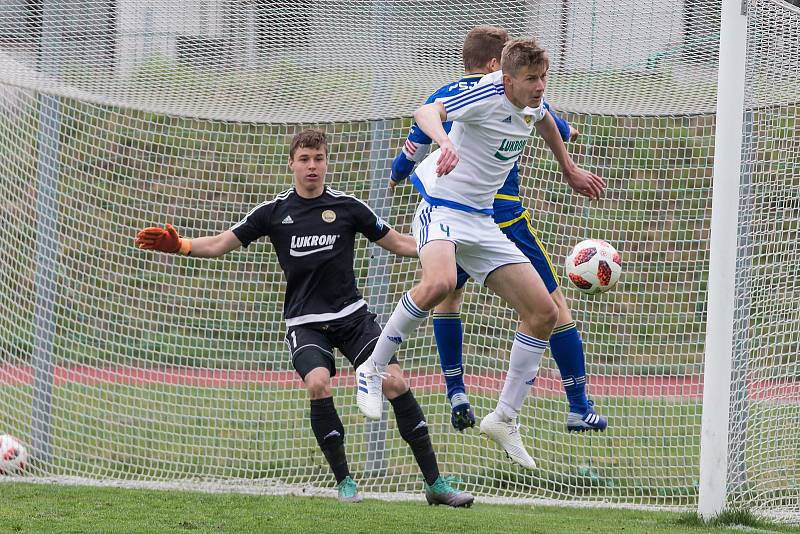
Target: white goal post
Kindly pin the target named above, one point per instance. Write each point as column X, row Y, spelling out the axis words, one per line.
column 722, row 260
column 119, row 366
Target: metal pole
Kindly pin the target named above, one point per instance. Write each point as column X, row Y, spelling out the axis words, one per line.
column 378, row 274
column 378, row 278
column 46, row 240
column 722, row 265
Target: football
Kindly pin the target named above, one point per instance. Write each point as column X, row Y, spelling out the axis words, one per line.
column 594, row 266
column 13, row 456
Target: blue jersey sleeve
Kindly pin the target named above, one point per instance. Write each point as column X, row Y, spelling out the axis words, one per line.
column 416, row 146
column 402, row 167
column 563, row 126
column 417, row 136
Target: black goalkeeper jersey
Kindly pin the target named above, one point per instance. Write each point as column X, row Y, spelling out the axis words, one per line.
column 314, row 239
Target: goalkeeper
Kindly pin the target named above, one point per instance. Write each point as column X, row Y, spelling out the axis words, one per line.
column 313, row 229
column 481, row 53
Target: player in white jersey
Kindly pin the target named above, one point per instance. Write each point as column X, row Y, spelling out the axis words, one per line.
column 492, row 123
column 481, row 52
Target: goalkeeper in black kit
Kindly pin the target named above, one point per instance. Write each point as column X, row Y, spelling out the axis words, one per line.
column 313, row 230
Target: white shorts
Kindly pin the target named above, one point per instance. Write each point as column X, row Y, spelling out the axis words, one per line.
column 481, row 247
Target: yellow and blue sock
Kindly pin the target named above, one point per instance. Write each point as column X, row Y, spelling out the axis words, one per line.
column 567, row 350
column 449, row 334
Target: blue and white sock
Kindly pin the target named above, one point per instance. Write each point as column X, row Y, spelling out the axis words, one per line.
column 449, row 334
column 567, row 350
column 405, row 319
column 526, row 356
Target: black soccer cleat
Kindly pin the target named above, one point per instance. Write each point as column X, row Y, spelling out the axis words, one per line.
column 462, row 417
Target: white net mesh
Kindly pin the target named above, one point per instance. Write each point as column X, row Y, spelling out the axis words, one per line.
column 122, row 365
column 765, row 395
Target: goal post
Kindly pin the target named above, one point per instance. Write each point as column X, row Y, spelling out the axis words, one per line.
column 128, row 367
column 722, row 260
column 47, row 261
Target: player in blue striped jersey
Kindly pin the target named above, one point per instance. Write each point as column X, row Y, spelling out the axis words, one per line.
column 482, row 49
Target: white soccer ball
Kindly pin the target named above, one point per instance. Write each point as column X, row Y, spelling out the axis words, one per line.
column 13, row 456
column 594, row 266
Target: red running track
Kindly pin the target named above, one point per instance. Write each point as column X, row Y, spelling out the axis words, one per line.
column 674, row 387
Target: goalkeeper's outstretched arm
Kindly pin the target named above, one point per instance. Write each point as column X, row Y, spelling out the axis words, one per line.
column 167, row 240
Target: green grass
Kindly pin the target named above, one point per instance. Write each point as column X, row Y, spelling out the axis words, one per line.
column 30, row 508
column 730, row 517
column 255, row 433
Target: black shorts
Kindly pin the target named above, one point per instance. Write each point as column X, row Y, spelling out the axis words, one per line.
column 312, row 344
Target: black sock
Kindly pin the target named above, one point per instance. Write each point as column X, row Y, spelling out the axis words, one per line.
column 414, row 429
column 329, row 432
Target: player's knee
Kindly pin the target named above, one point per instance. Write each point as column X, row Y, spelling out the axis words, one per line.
column 433, row 291
column 564, row 314
column 395, row 385
column 549, row 315
column 451, row 303
column 542, row 319
column 318, row 387
column 560, row 301
column 394, row 388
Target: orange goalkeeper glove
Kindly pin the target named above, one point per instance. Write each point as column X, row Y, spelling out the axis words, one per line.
column 163, row 239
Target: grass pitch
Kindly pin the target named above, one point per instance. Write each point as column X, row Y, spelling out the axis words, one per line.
column 30, row 508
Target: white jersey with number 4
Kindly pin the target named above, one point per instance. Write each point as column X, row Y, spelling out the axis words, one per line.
column 489, row 134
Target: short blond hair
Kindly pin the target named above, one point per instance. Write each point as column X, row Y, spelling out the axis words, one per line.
column 521, row 53
column 481, row 44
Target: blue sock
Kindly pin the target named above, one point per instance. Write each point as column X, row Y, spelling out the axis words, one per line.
column 567, row 350
column 449, row 338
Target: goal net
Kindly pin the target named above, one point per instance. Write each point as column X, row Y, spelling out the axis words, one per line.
column 128, row 367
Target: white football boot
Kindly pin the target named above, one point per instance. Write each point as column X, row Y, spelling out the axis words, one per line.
column 506, row 434
column 369, row 390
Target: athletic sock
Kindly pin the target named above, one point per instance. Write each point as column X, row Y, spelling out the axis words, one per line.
column 567, row 350
column 449, row 333
column 329, row 431
column 414, row 430
column 404, row 320
column 526, row 356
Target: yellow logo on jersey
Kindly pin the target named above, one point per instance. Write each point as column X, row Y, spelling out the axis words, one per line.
column 328, row 216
